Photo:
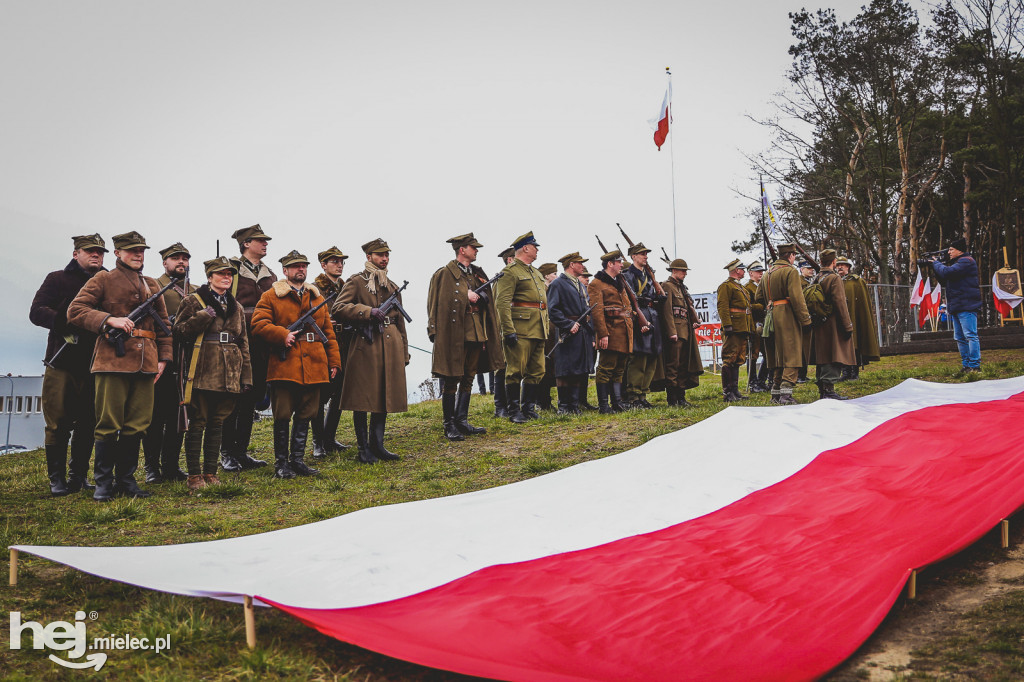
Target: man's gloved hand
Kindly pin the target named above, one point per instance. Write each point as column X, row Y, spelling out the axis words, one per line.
column 431, row 337
column 727, row 329
column 512, row 339
column 376, row 314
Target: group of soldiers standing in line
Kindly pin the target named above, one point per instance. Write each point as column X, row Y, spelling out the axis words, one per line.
column 136, row 362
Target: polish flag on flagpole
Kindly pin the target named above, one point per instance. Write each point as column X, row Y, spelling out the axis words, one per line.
column 924, row 305
column 936, row 301
column 917, row 293
column 662, row 122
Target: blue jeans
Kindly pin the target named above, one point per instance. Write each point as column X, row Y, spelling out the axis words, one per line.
column 965, row 331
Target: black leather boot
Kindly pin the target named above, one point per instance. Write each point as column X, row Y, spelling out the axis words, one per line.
column 300, row 433
column 603, row 392
column 448, row 414
column 736, row 384
column 615, row 395
column 281, row 467
column 515, row 415
column 362, row 438
column 826, row 389
column 528, row 404
column 81, row 452
column 56, row 461
column 585, row 405
column 681, row 398
column 151, row 457
column 170, row 458
column 331, row 427
column 243, row 436
column 126, row 464
column 462, row 416
column 316, row 425
column 501, row 396
column 378, row 422
column 103, row 470
column 670, row 396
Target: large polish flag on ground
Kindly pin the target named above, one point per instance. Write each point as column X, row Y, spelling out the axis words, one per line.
column 661, row 122
column 679, row 559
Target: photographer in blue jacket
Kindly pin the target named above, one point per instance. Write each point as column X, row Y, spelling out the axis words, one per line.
column 963, row 295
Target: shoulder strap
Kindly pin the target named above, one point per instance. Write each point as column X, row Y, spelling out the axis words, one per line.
column 190, row 378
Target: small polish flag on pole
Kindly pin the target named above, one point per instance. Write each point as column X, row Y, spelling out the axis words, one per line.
column 662, row 122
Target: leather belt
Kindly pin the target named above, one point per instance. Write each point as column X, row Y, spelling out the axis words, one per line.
column 221, row 337
column 337, row 328
column 308, row 337
column 529, row 304
column 679, row 311
column 143, row 334
column 472, row 308
column 739, row 310
column 781, row 301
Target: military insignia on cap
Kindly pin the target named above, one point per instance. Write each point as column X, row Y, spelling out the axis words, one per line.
column 89, row 241
column 611, row 255
column 173, row 249
column 247, row 233
column 333, row 252
column 378, row 245
column 523, row 240
column 464, row 240
column 293, row 257
column 637, row 248
column 129, row 240
column 734, row 264
column 219, row 264
column 805, row 264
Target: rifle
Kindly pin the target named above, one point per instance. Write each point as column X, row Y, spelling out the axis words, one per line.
column 479, row 290
column 814, row 263
column 630, row 294
column 366, row 330
column 183, row 419
column 307, row 319
column 664, row 257
column 147, row 307
column 768, row 242
column 647, row 267
column 561, row 338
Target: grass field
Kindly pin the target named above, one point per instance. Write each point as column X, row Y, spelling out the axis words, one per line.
column 208, row 640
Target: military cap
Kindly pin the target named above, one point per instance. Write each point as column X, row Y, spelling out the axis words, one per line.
column 524, row 239
column 805, row 264
column 129, row 240
column 637, row 248
column 293, row 257
column 677, row 264
column 783, row 249
column 89, row 241
column 959, row 244
column 464, row 240
column 611, row 255
column 843, row 260
column 378, row 245
column 507, row 253
column 755, row 267
column 548, row 269
column 573, row 257
column 218, row 264
column 828, row 252
column 247, row 233
column 585, row 273
column 177, row 247
column 735, row 264
column 333, row 252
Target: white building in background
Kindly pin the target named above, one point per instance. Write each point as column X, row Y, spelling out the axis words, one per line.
column 21, row 412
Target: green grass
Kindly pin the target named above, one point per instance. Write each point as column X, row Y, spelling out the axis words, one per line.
column 208, row 641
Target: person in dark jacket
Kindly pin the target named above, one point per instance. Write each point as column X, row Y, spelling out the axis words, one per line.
column 646, row 352
column 67, row 383
column 963, row 296
column 574, row 354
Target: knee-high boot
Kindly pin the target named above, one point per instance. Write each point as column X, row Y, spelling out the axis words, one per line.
column 462, row 416
column 362, row 438
column 515, row 415
column 56, row 463
column 317, row 427
column 127, row 463
column 501, row 396
column 331, row 427
column 281, row 467
column 103, row 470
column 378, row 421
column 300, row 433
column 448, row 415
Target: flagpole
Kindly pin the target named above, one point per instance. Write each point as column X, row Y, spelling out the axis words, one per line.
column 672, row 154
column 764, row 240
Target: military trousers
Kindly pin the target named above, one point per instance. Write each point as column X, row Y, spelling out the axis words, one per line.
column 470, row 363
column 734, row 348
column 677, row 362
column 784, row 377
column 830, row 372
column 524, row 361
column 162, row 441
column 238, row 426
column 69, row 410
column 124, row 404
column 611, row 367
column 288, row 398
column 207, row 413
column 640, row 369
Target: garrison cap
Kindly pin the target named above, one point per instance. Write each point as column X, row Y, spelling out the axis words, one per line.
column 677, row 264
column 89, row 241
column 805, row 264
column 524, row 239
column 247, row 233
column 507, row 253
column 610, row 256
column 548, row 269
column 177, row 247
column 756, row 267
column 783, row 249
column 219, row 264
column 378, row 245
column 735, row 264
column 637, row 248
column 333, row 252
column 464, row 240
column 959, row 244
column 130, row 240
column 293, row 257
column 573, row 257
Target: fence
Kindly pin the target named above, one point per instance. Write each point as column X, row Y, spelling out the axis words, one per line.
column 895, row 317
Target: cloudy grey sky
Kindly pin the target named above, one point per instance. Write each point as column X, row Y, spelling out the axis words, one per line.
column 337, row 122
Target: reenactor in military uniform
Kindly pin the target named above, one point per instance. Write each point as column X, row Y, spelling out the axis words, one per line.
column 325, row 425
column 646, row 351
column 613, row 330
column 211, row 329
column 679, row 320
column 463, row 328
column 549, row 271
column 573, row 358
column 375, row 376
column 500, row 400
column 782, row 294
column 296, row 379
column 68, row 398
column 161, row 446
column 833, row 339
column 254, row 279
column 756, row 378
column 585, row 277
column 520, row 300
column 124, row 385
column 808, row 273
column 865, row 334
column 735, row 310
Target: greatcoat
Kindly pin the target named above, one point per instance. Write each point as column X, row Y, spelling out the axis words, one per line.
column 782, row 282
column 612, row 314
column 49, row 309
column 678, row 319
column 116, row 293
column 858, row 302
column 566, row 302
column 450, row 316
column 833, row 340
column 375, row 372
column 308, row 361
column 223, row 363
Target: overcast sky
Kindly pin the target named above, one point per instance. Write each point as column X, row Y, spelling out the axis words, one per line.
column 331, row 123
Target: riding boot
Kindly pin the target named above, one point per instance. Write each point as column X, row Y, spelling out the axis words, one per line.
column 618, row 404
column 602, row 399
column 317, row 427
column 105, row 455
column 448, row 414
column 670, row 395
column 583, row 402
column 56, row 461
column 681, row 398
column 78, row 474
column 729, row 375
column 151, row 456
column 575, row 395
column 515, row 415
column 481, row 383
column 300, row 432
column 543, row 397
column 501, row 396
column 855, row 372
column 378, row 422
column 331, row 427
column 528, row 406
column 281, row 467
column 125, row 466
column 462, row 416
column 363, row 453
column 240, row 454
column 170, row 458
column 564, row 398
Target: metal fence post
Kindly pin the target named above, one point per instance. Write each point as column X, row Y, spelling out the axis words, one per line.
column 878, row 313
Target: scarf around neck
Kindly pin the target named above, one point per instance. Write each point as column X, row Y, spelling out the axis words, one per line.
column 377, row 277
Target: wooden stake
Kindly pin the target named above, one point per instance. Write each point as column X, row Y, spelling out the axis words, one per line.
column 1006, row 533
column 14, row 567
column 250, row 623
column 912, row 586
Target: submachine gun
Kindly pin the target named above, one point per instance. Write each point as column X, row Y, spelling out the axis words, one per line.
column 116, row 337
column 368, row 329
column 307, row 320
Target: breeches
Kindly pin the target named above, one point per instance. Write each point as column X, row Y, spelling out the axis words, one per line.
column 288, row 398
column 124, row 404
column 611, row 366
column 524, row 361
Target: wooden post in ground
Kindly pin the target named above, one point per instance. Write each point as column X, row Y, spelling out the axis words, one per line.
column 912, row 586
column 250, row 623
column 1005, row 527
column 14, row 567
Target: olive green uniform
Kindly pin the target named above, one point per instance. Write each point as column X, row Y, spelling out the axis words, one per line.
column 520, row 301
